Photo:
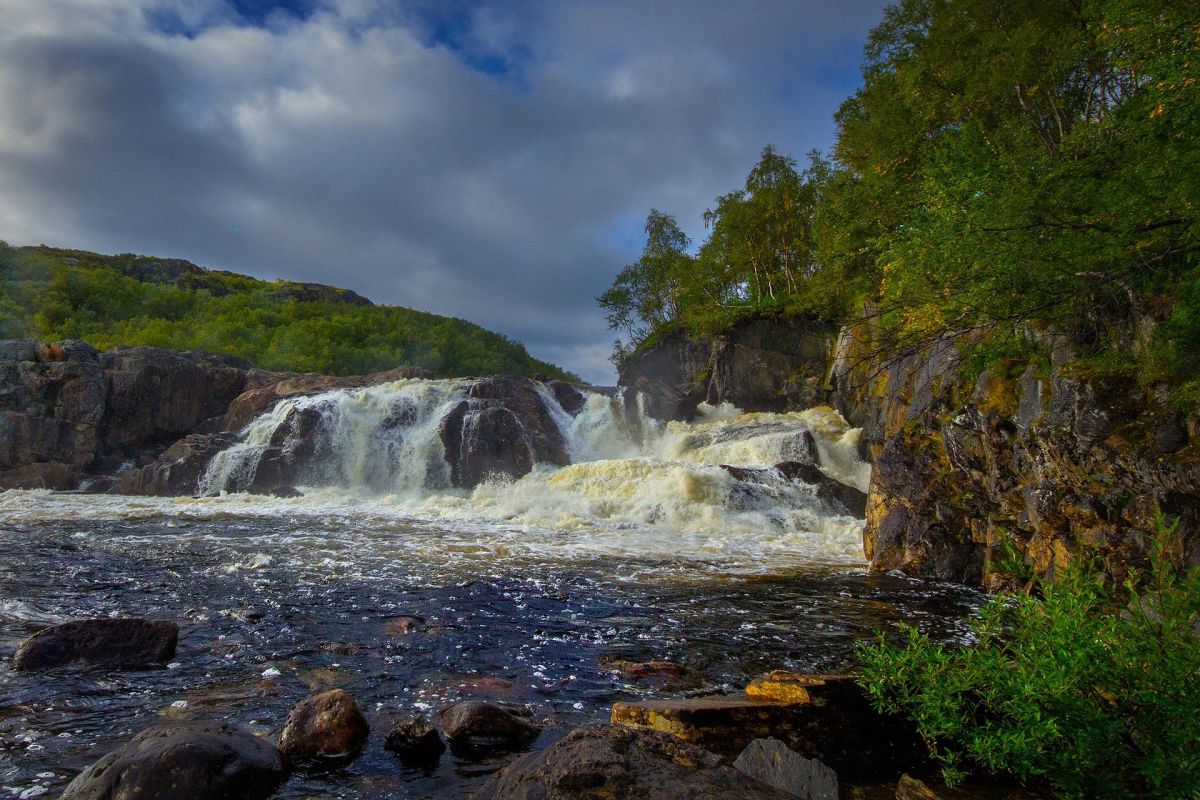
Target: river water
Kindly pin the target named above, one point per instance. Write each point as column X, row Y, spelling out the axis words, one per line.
column 642, row 549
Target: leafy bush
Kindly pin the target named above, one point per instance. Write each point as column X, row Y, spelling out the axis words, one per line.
column 1095, row 695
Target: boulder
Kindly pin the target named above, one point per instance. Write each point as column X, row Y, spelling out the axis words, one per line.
column 476, row 725
column 404, row 625
column 770, row 761
column 196, row 760
column 327, row 725
column 178, row 470
column 568, row 396
column 107, row 642
column 501, row 430
column 607, row 762
column 826, row 717
column 414, row 739
column 667, row 674
column 838, row 495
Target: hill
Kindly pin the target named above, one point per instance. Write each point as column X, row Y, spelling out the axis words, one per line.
column 50, row 294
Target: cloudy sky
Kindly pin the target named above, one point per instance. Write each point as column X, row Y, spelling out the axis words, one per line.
column 492, row 160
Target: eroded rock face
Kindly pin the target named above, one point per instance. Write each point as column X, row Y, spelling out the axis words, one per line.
column 196, row 760
column 608, row 762
column 327, row 725
column 501, row 430
column 110, row 642
column 178, row 470
column 769, row 761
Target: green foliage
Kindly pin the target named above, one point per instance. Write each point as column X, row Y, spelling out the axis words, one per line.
column 1094, row 691
column 1034, row 160
column 107, row 301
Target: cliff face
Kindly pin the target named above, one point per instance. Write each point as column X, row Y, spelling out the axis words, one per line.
column 990, row 479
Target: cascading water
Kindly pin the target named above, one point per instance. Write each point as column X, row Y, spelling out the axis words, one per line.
column 388, row 443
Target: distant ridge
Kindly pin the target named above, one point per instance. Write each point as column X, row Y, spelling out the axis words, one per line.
column 52, row 293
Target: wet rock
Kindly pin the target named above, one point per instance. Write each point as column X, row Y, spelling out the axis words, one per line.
column 479, row 726
column 403, row 626
column 197, row 760
column 614, row 763
column 327, row 725
column 414, row 739
column 769, row 761
column 840, row 496
column 501, row 431
column 107, row 642
column 568, row 396
column 781, row 686
column 178, row 470
column 286, row 492
column 667, row 673
column 834, row 723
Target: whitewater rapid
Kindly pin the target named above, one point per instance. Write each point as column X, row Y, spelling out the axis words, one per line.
column 646, row 490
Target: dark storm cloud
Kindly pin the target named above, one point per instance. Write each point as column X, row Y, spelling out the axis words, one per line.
column 491, row 161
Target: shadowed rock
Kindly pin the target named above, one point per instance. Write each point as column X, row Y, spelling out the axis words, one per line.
column 769, row 761
column 479, row 726
column 607, row 762
column 196, row 760
column 108, row 642
column 414, row 739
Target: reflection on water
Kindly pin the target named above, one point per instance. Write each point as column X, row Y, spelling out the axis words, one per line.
column 276, row 601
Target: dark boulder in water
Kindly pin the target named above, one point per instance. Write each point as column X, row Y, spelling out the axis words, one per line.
column 479, row 726
column 834, row 492
column 327, row 725
column 414, row 739
column 196, row 760
column 615, row 763
column 568, row 396
column 108, row 642
column 178, row 470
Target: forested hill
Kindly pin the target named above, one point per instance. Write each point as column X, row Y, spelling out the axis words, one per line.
column 51, row 294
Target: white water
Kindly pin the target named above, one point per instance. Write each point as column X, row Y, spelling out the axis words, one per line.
column 656, row 493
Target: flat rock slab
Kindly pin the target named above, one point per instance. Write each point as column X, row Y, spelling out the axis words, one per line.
column 769, row 761
column 835, row 725
column 109, row 642
column 196, row 760
column 608, row 762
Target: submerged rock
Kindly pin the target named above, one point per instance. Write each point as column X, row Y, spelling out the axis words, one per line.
column 196, row 760
column 414, row 739
column 608, row 762
column 108, row 642
column 480, row 726
column 769, row 761
column 403, row 626
column 327, row 725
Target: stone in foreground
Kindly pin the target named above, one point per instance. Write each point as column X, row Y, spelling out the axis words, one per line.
column 769, row 761
column 608, row 762
column 834, row 724
column 414, row 739
column 196, row 760
column 327, row 725
column 476, row 725
column 106, row 642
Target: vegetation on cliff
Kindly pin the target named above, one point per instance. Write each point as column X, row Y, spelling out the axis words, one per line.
column 1093, row 691
column 52, row 294
column 1002, row 165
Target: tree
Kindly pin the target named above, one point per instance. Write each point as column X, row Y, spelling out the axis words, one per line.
column 646, row 294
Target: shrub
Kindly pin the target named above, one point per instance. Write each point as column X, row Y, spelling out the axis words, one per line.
column 1093, row 689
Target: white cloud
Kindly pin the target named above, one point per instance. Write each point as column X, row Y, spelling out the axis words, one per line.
column 350, row 147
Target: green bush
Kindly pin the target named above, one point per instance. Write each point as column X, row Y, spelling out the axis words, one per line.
column 1093, row 689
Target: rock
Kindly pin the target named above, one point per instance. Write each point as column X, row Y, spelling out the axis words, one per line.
column 196, row 760
column 568, row 396
column 502, row 430
column 107, row 642
column 402, row 626
column 668, row 673
column 788, row 687
column 178, row 470
column 834, row 724
column 414, row 739
column 286, row 492
column 479, row 726
column 327, row 725
column 607, row 762
column 771, row 762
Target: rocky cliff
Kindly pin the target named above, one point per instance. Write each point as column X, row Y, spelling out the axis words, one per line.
column 144, row 420
column 991, row 478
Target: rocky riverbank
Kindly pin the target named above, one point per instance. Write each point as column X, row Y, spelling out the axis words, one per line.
column 787, row 735
column 988, row 478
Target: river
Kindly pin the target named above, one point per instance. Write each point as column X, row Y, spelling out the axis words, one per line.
column 643, row 548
